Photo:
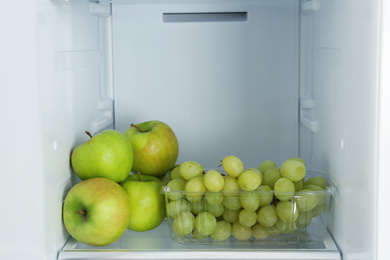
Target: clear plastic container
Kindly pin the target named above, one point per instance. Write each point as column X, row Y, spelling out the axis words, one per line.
column 304, row 215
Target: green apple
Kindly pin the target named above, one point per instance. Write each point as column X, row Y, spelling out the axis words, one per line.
column 147, row 204
column 107, row 155
column 96, row 211
column 155, row 147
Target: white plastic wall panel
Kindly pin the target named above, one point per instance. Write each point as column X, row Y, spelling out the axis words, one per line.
column 74, row 96
column 226, row 83
column 383, row 215
column 50, row 92
column 22, row 152
column 340, row 68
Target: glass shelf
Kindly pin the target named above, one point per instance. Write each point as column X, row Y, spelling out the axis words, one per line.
column 148, row 1
column 157, row 244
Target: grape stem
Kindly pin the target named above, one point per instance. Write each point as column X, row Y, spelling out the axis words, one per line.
column 133, row 125
column 88, row 133
column 139, row 175
column 220, row 164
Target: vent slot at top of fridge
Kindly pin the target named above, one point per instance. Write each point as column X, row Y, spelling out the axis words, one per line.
column 205, row 17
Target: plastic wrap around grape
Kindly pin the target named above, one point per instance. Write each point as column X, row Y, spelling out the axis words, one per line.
column 233, row 203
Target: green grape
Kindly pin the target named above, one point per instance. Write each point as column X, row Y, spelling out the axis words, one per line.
column 183, row 224
column 176, row 187
column 265, row 194
column 177, row 206
column 284, row 189
column 230, row 215
column 230, row 187
column 249, row 180
column 206, row 223
column 175, row 173
column 263, row 167
column 285, row 227
column 249, row 200
column 232, row 202
column 312, row 187
column 287, row 211
column 247, row 218
column 232, row 165
column 241, row 232
column 174, row 166
column 254, row 169
column 222, row 231
column 321, row 193
column 318, row 210
column 271, row 176
column 273, row 231
column 267, row 216
column 259, row 231
column 298, row 185
column 193, row 199
column 198, row 206
column 316, row 180
column 214, row 198
column 190, row 170
column 197, row 235
column 303, row 220
column 213, row 181
column 258, row 172
column 195, row 189
column 293, row 169
column 298, row 159
column 306, row 200
column 216, row 210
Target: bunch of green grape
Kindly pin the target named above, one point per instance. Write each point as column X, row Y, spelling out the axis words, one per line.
column 243, row 203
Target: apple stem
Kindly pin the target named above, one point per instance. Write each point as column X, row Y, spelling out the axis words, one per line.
column 133, row 125
column 82, row 212
column 88, row 133
column 139, row 175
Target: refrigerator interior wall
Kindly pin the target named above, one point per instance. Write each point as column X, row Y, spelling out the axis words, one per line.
column 223, row 75
column 59, row 85
column 20, row 131
column 54, row 86
column 339, row 91
column 383, row 215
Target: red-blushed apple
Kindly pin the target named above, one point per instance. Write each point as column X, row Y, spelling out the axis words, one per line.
column 107, row 154
column 96, row 211
column 155, row 147
column 147, row 204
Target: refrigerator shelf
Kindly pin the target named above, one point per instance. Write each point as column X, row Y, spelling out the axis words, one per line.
column 157, row 244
